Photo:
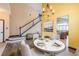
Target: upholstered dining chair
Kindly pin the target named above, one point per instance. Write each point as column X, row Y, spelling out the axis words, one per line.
column 56, row 36
column 25, row 49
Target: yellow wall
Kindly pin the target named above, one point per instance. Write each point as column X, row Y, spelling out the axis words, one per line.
column 72, row 10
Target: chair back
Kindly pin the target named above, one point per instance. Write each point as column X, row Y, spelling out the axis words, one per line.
column 25, row 49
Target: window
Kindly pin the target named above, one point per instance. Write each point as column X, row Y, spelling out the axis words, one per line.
column 62, row 24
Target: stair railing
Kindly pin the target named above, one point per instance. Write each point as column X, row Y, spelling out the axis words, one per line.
column 29, row 25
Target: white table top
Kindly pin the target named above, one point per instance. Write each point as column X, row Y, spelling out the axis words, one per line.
column 49, row 45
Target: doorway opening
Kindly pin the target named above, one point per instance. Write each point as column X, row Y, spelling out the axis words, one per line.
column 62, row 28
column 1, row 30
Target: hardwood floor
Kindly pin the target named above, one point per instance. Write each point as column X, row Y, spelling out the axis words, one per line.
column 11, row 50
column 2, row 48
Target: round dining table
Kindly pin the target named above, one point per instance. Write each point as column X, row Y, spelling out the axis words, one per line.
column 51, row 46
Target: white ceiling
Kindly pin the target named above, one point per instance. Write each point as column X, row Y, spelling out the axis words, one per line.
column 36, row 6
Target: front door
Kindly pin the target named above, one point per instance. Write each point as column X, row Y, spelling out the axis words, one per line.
column 1, row 30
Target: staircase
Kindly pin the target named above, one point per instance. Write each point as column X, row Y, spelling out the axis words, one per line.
column 23, row 30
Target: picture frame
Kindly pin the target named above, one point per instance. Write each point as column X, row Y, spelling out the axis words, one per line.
column 48, row 26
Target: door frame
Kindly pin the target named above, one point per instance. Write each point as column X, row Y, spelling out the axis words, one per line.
column 3, row 27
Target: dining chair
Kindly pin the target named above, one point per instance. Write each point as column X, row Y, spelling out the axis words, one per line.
column 36, row 36
column 25, row 49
